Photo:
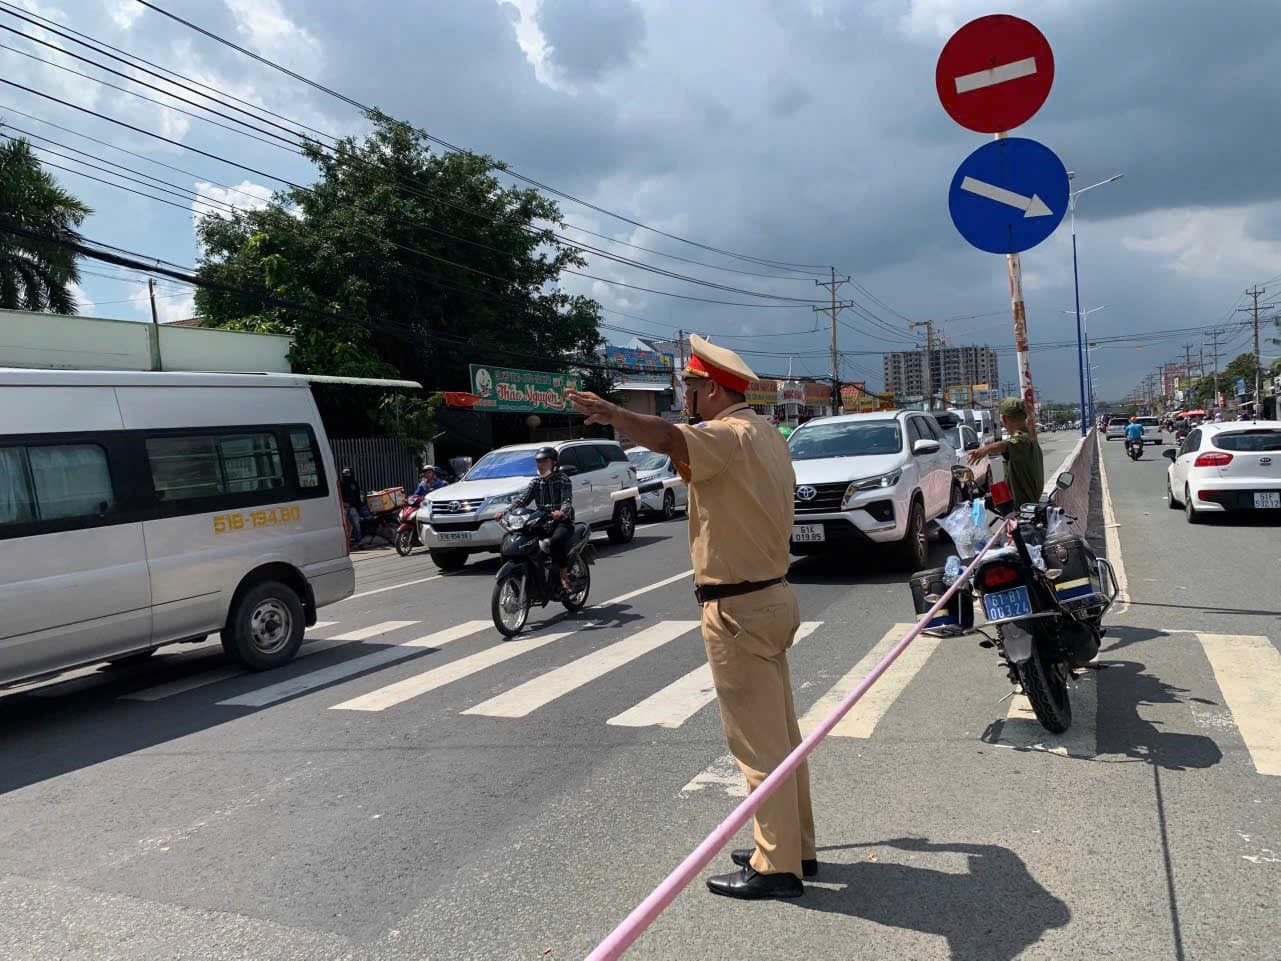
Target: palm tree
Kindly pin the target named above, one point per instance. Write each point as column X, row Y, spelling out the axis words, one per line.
column 36, row 274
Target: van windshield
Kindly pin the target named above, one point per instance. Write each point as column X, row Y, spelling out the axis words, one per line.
column 504, row 463
column 851, row 439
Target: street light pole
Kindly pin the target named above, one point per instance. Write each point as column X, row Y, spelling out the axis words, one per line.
column 1087, row 412
column 1081, row 361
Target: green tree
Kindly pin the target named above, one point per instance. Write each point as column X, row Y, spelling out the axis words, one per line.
column 36, row 274
column 430, row 261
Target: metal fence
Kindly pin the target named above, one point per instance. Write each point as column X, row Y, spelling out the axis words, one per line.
column 378, row 462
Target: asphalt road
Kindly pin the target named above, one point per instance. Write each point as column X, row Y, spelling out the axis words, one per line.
column 415, row 787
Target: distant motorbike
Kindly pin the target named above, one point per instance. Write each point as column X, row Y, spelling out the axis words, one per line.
column 528, row 575
column 1134, row 448
column 406, row 538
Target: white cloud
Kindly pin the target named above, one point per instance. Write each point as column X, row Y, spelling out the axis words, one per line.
column 271, row 33
column 84, row 305
column 125, row 12
column 171, row 304
column 1204, row 243
column 246, row 195
column 529, row 35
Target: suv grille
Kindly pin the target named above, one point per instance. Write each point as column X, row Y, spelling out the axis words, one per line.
column 826, row 500
column 446, row 508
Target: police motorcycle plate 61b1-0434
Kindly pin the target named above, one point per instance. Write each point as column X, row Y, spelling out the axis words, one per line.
column 528, row 575
column 1044, row 593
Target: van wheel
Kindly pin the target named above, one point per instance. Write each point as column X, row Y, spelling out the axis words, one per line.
column 128, row 660
column 265, row 627
column 624, row 527
column 449, row 560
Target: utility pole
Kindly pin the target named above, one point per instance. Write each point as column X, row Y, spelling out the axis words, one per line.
column 833, row 286
column 1255, row 293
column 1214, row 348
column 157, row 362
column 929, row 359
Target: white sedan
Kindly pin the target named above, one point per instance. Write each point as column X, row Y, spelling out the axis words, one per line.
column 651, row 465
column 1227, row 467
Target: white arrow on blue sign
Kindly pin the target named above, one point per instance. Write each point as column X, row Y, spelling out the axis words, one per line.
column 1009, row 195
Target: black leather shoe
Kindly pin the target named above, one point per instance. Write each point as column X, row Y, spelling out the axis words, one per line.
column 749, row 885
column 743, row 858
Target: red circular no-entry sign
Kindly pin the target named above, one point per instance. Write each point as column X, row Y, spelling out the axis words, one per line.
column 994, row 73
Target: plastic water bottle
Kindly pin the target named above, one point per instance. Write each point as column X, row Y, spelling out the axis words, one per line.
column 978, row 512
column 951, row 570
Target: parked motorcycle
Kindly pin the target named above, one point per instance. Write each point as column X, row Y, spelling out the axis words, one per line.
column 1045, row 593
column 1134, row 448
column 528, row 575
column 406, row 537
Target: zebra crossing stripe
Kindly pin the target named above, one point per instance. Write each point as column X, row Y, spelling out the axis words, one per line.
column 373, row 630
column 1248, row 670
column 419, row 684
column 1023, row 732
column 682, row 699
column 862, row 719
column 542, row 690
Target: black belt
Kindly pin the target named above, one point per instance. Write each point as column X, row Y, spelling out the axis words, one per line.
column 714, row 592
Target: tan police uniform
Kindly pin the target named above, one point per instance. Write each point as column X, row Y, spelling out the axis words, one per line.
column 741, row 487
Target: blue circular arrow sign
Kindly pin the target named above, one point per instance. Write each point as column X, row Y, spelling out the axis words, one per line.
column 1009, row 195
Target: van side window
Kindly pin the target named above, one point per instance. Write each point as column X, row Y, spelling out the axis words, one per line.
column 589, row 457
column 190, row 466
column 612, row 452
column 305, row 458
column 54, row 482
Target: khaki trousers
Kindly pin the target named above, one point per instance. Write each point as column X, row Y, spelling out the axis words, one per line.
column 747, row 638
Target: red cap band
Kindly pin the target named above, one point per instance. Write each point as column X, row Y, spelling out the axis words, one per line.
column 725, row 378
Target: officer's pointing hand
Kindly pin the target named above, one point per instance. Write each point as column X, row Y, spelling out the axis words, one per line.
column 596, row 409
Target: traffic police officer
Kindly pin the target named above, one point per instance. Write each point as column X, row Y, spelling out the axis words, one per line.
column 741, row 487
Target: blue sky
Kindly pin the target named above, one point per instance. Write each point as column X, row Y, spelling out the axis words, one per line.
column 805, row 131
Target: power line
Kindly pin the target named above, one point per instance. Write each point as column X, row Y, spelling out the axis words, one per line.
column 444, row 143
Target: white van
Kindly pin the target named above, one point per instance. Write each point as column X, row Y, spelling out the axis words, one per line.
column 140, row 509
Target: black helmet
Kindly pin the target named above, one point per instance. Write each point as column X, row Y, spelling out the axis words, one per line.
column 346, row 472
column 547, row 453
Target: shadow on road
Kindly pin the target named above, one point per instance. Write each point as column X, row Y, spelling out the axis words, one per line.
column 993, row 912
column 875, row 565
column 1126, row 685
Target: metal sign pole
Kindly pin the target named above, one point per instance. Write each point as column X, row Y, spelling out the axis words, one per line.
column 1020, row 339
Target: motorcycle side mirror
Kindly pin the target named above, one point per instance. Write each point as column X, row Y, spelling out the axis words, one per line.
column 569, row 470
column 1065, row 480
column 1170, row 455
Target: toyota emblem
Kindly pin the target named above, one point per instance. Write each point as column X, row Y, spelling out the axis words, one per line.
column 455, row 507
column 806, row 493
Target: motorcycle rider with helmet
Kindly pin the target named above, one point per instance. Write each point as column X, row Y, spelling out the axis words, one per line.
column 1133, row 432
column 553, row 488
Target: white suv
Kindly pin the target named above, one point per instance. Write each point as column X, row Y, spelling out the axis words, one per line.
column 462, row 518
column 864, row 479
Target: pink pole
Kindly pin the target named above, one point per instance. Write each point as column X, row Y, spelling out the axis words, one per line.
column 643, row 915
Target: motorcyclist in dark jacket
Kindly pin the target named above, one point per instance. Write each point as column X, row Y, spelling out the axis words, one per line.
column 553, row 488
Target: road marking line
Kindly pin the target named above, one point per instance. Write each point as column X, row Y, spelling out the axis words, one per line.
column 321, row 678
column 412, row 687
column 969, row 82
column 1112, row 539
column 542, row 690
column 676, row 703
column 393, row 587
column 1022, row 731
column 645, row 590
column 1248, row 670
column 373, row 630
column 449, row 634
column 321, row 625
column 723, row 773
column 161, row 691
column 862, row 719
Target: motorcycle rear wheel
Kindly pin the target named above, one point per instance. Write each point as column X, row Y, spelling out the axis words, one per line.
column 1046, row 687
column 580, row 577
column 404, row 543
column 509, row 604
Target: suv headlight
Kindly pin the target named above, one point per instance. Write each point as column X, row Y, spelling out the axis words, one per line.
column 502, row 500
column 880, row 482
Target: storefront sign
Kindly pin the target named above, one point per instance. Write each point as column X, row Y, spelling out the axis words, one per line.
column 521, row 391
column 639, row 366
column 816, row 395
column 763, row 393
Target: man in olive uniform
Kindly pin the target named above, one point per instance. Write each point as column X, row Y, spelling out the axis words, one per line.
column 1024, row 462
column 741, row 484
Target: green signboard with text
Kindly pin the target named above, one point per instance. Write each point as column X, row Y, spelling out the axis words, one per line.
column 521, row 391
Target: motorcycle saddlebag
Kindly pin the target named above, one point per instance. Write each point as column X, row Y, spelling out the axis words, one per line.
column 956, row 618
column 1079, row 585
